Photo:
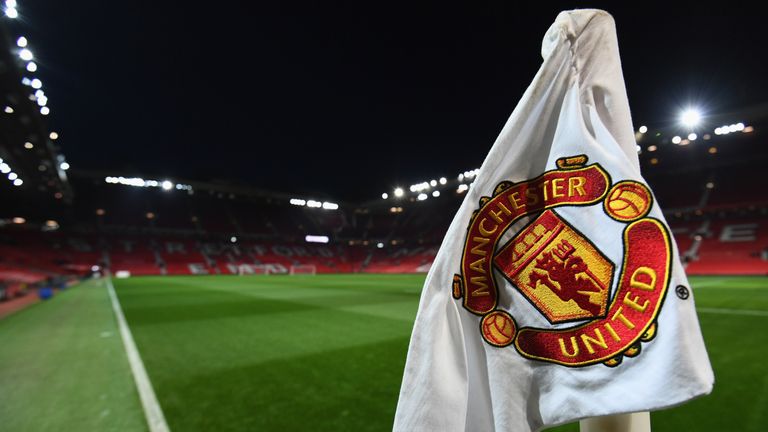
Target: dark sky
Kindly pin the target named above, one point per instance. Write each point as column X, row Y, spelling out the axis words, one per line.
column 345, row 99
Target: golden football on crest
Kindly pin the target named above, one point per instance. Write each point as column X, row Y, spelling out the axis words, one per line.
column 498, row 328
column 628, row 201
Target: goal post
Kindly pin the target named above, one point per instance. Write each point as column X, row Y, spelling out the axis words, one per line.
column 254, row 269
column 303, row 269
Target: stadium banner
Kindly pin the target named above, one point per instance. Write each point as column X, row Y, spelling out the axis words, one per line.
column 558, row 293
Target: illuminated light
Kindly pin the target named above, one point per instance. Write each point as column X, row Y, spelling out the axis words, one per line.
column 100, row 212
column 412, row 188
column 461, row 177
column 150, row 215
column 399, row 192
column 433, row 183
column 707, row 137
column 712, row 150
column 51, row 224
column 21, row 42
column 42, row 101
column 95, row 268
column 380, row 245
column 676, row 139
column 314, row 204
column 739, row 126
column 316, row 239
column 692, row 136
column 167, row 185
column 710, row 185
column 396, row 210
column 19, row 220
column 28, row 145
column 462, row 188
column 652, row 148
column 11, row 13
column 5, row 168
column 36, row 83
column 654, row 161
column 298, row 202
column 684, row 142
column 643, row 129
column 436, row 194
column 12, row 176
column 422, row 197
column 8, row 110
column 718, row 131
column 39, row 94
column 330, row 206
column 233, row 239
column 45, row 110
column 638, row 148
column 18, row 182
column 53, row 135
column 690, row 118
column 64, row 166
column 26, row 81
column 748, row 129
column 32, row 67
column 384, row 195
column 443, row 180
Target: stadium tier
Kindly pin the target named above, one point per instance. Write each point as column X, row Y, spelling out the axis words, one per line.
column 153, row 232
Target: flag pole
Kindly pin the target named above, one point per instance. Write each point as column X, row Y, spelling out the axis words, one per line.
column 632, row 422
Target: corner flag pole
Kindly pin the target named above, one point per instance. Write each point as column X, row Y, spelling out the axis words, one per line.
column 632, row 422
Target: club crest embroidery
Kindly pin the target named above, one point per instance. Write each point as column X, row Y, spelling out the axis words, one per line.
column 563, row 275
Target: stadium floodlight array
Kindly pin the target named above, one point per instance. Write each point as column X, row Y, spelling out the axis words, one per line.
column 738, row 127
column 326, row 205
column 140, row 182
column 10, row 9
column 8, row 171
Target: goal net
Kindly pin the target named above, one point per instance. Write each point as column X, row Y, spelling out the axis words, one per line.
column 303, row 269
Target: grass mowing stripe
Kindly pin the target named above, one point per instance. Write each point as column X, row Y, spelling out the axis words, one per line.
column 726, row 311
column 152, row 410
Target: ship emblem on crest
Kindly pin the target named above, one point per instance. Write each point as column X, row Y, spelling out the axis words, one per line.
column 563, row 274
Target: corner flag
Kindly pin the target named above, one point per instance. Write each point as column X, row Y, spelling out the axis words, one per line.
column 558, row 293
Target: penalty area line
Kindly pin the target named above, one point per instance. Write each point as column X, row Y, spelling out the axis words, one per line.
column 152, row 410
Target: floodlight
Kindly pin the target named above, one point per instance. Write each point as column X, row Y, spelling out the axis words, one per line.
column 32, row 66
column 36, row 83
column 399, row 192
column 166, row 185
column 690, row 118
column 26, row 55
column 384, row 195
column 643, row 129
column 436, row 194
column 11, row 13
column 21, row 42
column 443, row 180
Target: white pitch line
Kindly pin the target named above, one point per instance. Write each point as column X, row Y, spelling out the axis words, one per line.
column 726, row 311
column 152, row 410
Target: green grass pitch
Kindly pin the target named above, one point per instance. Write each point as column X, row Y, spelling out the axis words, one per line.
column 277, row 353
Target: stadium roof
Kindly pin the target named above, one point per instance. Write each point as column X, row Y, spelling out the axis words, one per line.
column 346, row 100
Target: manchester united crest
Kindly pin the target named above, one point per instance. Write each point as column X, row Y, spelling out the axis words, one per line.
column 561, row 272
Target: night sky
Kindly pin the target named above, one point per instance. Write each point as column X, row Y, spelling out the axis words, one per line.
column 345, row 100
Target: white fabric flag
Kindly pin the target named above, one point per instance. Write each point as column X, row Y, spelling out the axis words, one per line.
column 558, row 293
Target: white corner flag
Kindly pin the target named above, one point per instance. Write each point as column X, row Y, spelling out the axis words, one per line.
column 558, row 293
